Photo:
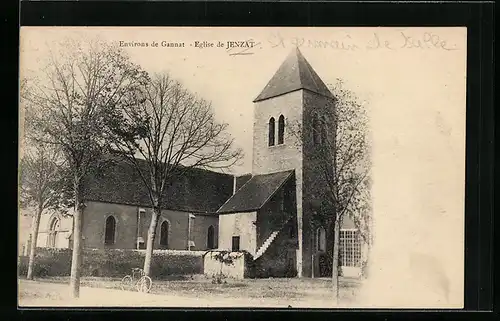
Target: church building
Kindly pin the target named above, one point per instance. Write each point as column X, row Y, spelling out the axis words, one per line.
column 266, row 213
column 270, row 214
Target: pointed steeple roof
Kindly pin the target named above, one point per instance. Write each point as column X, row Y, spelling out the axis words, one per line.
column 294, row 73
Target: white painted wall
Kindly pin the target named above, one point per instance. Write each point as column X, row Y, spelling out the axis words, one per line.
column 212, row 266
column 238, row 224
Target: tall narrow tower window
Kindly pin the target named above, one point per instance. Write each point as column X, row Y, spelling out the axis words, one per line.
column 271, row 131
column 323, row 130
column 281, row 129
column 315, row 130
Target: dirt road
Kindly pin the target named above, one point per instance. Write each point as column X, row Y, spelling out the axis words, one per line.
column 39, row 294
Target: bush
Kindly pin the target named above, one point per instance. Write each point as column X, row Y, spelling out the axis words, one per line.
column 48, row 262
column 113, row 263
column 219, row 278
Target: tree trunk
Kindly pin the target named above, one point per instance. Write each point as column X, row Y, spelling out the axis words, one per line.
column 367, row 261
column 151, row 240
column 74, row 282
column 335, row 261
column 313, row 264
column 34, row 238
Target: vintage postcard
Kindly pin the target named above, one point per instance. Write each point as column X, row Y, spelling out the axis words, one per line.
column 242, row 167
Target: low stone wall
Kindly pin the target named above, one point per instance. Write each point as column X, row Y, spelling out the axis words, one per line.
column 237, row 265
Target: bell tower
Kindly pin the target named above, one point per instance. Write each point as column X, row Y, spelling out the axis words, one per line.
column 284, row 116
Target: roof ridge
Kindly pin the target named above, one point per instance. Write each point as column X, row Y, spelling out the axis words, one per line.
column 292, row 76
column 121, row 161
column 309, row 71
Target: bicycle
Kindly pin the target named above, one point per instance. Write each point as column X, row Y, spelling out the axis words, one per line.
column 143, row 282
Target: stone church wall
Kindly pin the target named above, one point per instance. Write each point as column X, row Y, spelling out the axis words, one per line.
column 95, row 215
column 315, row 185
column 268, row 159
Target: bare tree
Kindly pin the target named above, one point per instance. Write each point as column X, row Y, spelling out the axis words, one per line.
column 80, row 84
column 43, row 188
column 343, row 160
column 173, row 130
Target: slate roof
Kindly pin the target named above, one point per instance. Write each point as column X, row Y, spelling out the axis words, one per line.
column 255, row 192
column 242, row 179
column 294, row 73
column 201, row 191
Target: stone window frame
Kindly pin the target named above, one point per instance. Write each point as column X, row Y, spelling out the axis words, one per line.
column 52, row 233
column 319, row 129
column 319, row 248
column 115, row 236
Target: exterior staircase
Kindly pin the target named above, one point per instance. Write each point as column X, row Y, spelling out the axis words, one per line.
column 270, row 240
column 266, row 245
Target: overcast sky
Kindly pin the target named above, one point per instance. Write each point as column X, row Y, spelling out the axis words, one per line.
column 393, row 82
column 415, row 95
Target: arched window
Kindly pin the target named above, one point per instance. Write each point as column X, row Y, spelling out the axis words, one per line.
column 271, row 131
column 281, row 129
column 109, row 234
column 53, row 231
column 321, row 239
column 315, row 130
column 323, row 130
column 164, row 234
column 291, row 231
column 211, row 237
column 281, row 200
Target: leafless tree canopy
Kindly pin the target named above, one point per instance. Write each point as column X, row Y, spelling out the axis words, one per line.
column 173, row 130
column 342, row 156
column 42, row 183
column 80, row 84
column 343, row 159
column 42, row 187
column 67, row 104
column 349, row 179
